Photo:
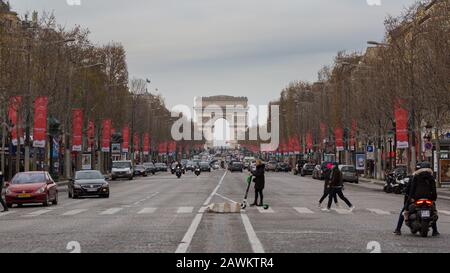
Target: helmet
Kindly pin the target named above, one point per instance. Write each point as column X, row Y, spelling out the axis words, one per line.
column 423, row 165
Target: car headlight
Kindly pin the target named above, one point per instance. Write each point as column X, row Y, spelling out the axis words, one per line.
column 105, row 185
column 8, row 191
column 76, row 186
column 41, row 190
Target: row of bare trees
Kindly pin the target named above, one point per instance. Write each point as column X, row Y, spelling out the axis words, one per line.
column 412, row 65
column 38, row 57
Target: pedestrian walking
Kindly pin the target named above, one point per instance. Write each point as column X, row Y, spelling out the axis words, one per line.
column 259, row 179
column 337, row 185
column 5, row 208
column 327, row 187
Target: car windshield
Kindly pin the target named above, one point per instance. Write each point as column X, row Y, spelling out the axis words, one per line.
column 283, row 164
column 121, row 165
column 139, row 167
column 237, row 163
column 148, row 165
column 309, row 166
column 348, row 169
column 204, row 164
column 28, row 178
column 88, row 175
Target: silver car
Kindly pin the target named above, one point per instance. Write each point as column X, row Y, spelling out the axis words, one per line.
column 349, row 173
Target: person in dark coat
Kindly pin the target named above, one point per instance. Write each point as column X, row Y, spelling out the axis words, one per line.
column 337, row 185
column 259, row 183
column 327, row 187
column 5, row 208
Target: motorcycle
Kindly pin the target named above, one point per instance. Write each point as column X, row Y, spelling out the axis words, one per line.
column 390, row 183
column 402, row 183
column 178, row 172
column 422, row 215
column 197, row 171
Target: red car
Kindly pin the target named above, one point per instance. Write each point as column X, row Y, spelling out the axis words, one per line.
column 31, row 188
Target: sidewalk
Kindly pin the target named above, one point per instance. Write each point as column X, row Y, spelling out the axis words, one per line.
column 444, row 191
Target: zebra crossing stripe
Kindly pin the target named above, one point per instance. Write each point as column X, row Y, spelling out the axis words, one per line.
column 304, row 211
column 6, row 213
column 262, row 210
column 74, row 212
column 37, row 213
column 343, row 211
column 111, row 211
column 185, row 209
column 147, row 211
column 379, row 211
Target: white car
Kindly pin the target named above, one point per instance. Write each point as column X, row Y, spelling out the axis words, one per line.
column 122, row 169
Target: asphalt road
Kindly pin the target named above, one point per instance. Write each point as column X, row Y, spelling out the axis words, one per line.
column 164, row 214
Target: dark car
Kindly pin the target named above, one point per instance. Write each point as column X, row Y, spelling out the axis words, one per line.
column 88, row 183
column 319, row 171
column 283, row 167
column 190, row 166
column 161, row 167
column 349, row 173
column 307, row 169
column 140, row 170
column 236, row 166
column 271, row 166
column 30, row 188
column 150, row 167
column 205, row 167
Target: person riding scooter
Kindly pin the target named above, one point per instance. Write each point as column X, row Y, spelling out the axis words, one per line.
column 423, row 186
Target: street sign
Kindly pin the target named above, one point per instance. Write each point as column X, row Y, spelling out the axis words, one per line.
column 370, row 152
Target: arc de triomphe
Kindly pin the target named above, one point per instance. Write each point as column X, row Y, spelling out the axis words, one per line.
column 233, row 109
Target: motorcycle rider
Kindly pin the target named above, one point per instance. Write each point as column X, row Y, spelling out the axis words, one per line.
column 422, row 186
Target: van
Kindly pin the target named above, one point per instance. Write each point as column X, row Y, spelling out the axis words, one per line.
column 122, row 169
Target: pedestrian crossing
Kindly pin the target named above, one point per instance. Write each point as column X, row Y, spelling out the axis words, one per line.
column 186, row 210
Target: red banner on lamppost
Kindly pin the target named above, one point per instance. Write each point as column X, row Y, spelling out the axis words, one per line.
column 126, row 139
column 13, row 116
column 146, row 144
column 40, row 122
column 90, row 135
column 106, row 135
column 77, row 130
column 339, row 135
column 401, row 120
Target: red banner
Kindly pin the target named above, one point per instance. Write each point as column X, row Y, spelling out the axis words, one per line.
column 401, row 120
column 14, row 106
column 40, row 122
column 297, row 147
column 309, row 141
column 146, row 144
column 339, row 135
column 353, row 136
column 90, row 135
column 126, row 139
column 106, row 135
column 136, row 142
column 77, row 130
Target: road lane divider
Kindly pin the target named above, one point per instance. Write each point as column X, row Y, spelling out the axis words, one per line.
column 256, row 245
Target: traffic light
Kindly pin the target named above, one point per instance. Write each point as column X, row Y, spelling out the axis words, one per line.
column 53, row 126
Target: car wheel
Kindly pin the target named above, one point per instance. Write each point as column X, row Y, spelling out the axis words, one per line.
column 46, row 202
column 131, row 178
column 69, row 194
column 105, row 196
column 113, row 179
column 9, row 205
column 55, row 201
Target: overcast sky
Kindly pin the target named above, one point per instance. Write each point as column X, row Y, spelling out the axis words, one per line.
column 250, row 48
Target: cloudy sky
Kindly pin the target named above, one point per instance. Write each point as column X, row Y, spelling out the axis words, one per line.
column 250, row 48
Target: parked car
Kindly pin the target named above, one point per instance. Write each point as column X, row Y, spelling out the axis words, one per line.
column 150, row 167
column 271, row 166
column 31, row 188
column 139, row 170
column 190, row 166
column 283, row 167
column 317, row 172
column 122, row 169
column 204, row 166
column 88, row 183
column 236, row 166
column 349, row 173
column 161, row 167
column 307, row 169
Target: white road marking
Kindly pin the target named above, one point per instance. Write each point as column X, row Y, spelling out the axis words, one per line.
column 446, row 212
column 304, row 211
column 262, row 210
column 147, row 210
column 6, row 213
column 254, row 241
column 379, row 211
column 226, row 198
column 111, row 211
column 202, row 209
column 297, row 232
column 74, row 212
column 343, row 211
column 187, row 239
column 37, row 213
column 185, row 209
